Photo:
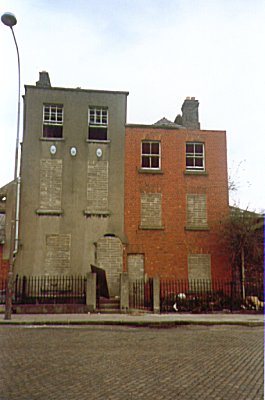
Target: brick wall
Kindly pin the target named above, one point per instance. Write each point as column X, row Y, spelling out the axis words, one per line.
column 3, row 265
column 166, row 250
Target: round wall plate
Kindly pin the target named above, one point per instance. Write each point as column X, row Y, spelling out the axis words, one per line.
column 99, row 152
column 73, row 151
column 53, row 149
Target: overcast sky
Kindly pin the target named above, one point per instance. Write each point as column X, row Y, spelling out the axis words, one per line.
column 160, row 51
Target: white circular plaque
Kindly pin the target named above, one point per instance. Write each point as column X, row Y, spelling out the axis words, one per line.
column 53, row 149
column 73, row 151
column 99, row 152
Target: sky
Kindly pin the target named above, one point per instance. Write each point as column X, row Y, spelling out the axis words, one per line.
column 161, row 52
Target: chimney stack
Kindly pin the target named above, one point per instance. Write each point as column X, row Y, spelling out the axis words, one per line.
column 44, row 80
column 190, row 113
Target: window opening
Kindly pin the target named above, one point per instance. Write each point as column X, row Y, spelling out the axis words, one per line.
column 150, row 155
column 195, row 159
column 52, row 121
column 97, row 123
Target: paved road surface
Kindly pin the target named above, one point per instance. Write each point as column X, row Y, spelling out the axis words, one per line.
column 122, row 363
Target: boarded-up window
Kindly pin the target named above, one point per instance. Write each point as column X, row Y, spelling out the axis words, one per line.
column 199, row 270
column 2, row 227
column 50, row 184
column 151, row 210
column 58, row 250
column 97, row 186
column 196, row 211
column 135, row 267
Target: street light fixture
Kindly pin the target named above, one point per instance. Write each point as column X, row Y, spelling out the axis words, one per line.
column 10, row 20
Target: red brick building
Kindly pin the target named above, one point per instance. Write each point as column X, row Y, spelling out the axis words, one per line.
column 176, row 193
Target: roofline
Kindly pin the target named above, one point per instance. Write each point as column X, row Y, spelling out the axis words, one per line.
column 76, row 89
column 155, row 126
column 4, row 188
column 170, row 127
column 249, row 212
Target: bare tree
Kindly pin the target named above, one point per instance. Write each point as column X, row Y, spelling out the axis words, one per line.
column 243, row 234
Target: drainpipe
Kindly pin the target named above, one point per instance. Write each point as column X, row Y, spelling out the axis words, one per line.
column 243, row 272
column 17, row 215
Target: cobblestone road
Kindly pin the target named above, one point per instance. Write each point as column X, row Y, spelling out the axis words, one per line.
column 118, row 363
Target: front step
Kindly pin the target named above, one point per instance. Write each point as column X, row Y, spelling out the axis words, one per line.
column 108, row 306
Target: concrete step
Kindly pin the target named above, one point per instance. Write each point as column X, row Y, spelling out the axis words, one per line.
column 111, row 305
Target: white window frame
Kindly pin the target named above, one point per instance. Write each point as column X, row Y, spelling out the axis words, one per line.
column 100, row 117
column 53, row 110
column 150, row 155
column 195, row 155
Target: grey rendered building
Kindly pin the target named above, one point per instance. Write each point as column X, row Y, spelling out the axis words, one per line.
column 72, row 182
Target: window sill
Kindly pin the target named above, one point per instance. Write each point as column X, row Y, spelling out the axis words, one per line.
column 97, row 141
column 190, row 172
column 150, row 171
column 153, row 228
column 49, row 212
column 91, row 213
column 197, row 228
column 50, row 139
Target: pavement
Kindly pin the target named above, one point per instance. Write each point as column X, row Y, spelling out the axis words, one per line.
column 188, row 362
column 137, row 319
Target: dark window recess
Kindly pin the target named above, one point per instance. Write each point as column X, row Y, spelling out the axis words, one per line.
column 145, row 162
column 199, row 162
column 97, row 133
column 146, row 148
column 189, row 148
column 189, row 162
column 154, row 162
column 52, row 131
column 198, row 148
column 154, row 148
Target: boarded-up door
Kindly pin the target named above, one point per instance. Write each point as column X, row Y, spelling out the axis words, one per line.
column 109, row 258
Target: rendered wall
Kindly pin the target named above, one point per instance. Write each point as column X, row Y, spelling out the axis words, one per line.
column 59, row 213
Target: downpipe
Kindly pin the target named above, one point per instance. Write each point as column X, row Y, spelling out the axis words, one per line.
column 17, row 215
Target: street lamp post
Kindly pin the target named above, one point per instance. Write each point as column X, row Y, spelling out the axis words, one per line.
column 10, row 20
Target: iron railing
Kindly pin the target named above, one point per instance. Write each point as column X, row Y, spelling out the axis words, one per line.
column 141, row 294
column 3, row 284
column 175, row 295
column 49, row 290
column 209, row 295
